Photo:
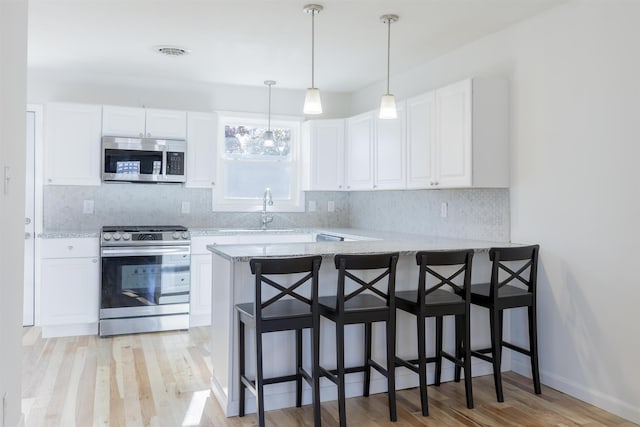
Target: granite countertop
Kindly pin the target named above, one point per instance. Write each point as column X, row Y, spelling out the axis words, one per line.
column 405, row 244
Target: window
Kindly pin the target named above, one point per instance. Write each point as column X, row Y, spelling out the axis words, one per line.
column 247, row 165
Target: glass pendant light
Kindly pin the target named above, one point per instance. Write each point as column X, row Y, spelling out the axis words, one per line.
column 267, row 138
column 312, row 103
column 388, row 104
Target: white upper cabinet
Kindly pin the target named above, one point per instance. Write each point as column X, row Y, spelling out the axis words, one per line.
column 325, row 141
column 458, row 136
column 421, row 129
column 390, row 152
column 144, row 122
column 201, row 150
column 359, row 152
column 72, row 144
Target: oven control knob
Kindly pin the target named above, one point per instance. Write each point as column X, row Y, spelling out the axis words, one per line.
column 106, row 236
column 126, row 236
column 176, row 235
column 185, row 235
column 116, row 236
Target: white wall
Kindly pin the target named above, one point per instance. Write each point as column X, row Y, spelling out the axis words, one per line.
column 47, row 85
column 575, row 89
column 13, row 42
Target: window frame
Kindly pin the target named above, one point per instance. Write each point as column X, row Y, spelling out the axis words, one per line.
column 297, row 202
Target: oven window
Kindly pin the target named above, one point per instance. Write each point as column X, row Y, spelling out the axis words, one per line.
column 131, row 281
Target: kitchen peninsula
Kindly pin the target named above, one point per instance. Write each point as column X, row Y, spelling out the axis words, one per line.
column 233, row 283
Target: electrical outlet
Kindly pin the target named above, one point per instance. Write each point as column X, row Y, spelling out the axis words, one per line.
column 186, row 207
column 331, row 206
column 312, row 206
column 88, row 207
column 444, row 210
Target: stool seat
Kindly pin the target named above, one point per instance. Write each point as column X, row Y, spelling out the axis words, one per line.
column 285, row 309
column 437, row 297
column 509, row 296
column 364, row 302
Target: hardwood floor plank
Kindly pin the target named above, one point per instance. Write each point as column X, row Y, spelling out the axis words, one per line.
column 163, row 380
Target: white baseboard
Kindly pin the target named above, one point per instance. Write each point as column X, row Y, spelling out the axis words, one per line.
column 53, row 331
column 627, row 410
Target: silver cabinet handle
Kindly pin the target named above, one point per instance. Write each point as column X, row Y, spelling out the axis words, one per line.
column 339, row 186
column 141, row 134
column 27, row 236
column 27, row 221
column 95, row 261
column 70, row 247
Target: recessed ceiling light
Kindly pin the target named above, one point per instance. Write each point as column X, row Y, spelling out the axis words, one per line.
column 172, row 50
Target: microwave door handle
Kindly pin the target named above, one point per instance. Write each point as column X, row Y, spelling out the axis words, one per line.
column 160, row 250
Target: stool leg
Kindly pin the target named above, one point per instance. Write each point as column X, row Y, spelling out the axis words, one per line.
column 496, row 350
column 438, row 370
column 259, row 380
column 341, row 373
column 315, row 371
column 367, row 358
column 391, row 367
column 533, row 346
column 422, row 365
column 465, row 353
column 298, row 368
column 459, row 346
column 241, row 351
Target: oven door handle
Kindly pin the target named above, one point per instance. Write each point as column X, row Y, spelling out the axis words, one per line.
column 140, row 251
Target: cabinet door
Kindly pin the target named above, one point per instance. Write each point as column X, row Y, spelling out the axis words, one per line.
column 123, row 121
column 201, row 150
column 168, row 124
column 200, row 306
column 70, row 291
column 72, row 144
column 453, row 159
column 390, row 150
column 327, row 155
column 421, row 133
column 359, row 152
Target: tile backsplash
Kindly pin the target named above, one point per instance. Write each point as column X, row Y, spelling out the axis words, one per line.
column 152, row 204
column 481, row 214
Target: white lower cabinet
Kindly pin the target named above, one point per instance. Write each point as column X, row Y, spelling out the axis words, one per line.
column 70, row 287
column 200, row 300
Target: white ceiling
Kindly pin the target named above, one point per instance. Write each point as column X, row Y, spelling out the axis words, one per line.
column 248, row 41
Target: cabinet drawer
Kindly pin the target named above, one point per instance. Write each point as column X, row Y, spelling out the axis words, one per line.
column 70, row 248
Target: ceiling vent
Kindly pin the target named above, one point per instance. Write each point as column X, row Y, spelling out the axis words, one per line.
column 171, row 50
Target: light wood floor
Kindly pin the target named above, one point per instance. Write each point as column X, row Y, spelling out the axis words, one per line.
column 162, row 379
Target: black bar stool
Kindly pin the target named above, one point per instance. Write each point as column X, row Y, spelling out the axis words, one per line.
column 355, row 306
column 499, row 295
column 277, row 313
column 431, row 299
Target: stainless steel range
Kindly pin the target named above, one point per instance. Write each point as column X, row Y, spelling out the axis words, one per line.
column 145, row 279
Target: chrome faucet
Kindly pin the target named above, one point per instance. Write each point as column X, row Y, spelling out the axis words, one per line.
column 267, row 199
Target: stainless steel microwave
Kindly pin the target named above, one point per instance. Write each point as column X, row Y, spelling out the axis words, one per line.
column 143, row 159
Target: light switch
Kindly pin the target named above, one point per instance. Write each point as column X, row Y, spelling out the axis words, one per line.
column 312, row 206
column 88, row 207
column 444, row 210
column 331, row 206
column 186, row 207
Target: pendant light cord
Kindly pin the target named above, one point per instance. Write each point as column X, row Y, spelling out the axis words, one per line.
column 313, row 20
column 388, row 52
column 269, row 120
